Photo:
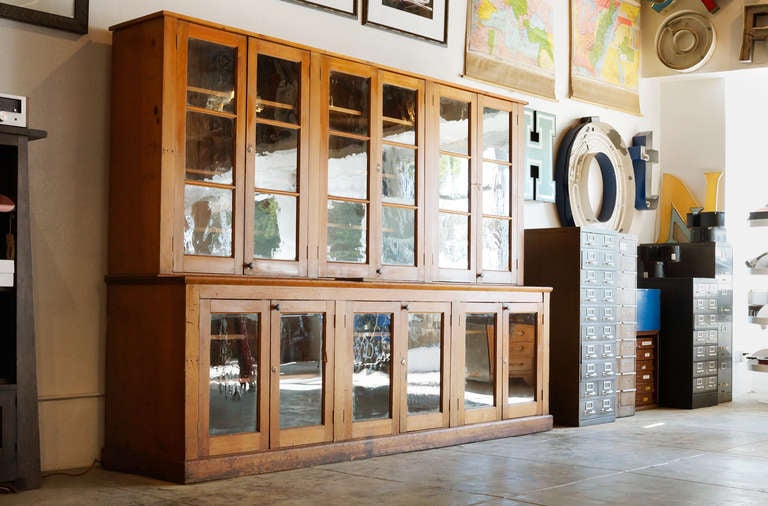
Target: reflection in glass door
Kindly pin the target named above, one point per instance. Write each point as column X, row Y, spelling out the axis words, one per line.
column 476, row 370
column 401, row 169
column 277, row 160
column 213, row 167
column 302, row 379
column 234, row 409
column 371, row 366
column 427, row 362
column 367, row 360
column 348, row 203
column 233, row 382
column 301, row 370
column 480, row 361
column 522, row 377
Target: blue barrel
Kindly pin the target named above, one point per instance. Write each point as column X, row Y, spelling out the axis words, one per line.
column 648, row 309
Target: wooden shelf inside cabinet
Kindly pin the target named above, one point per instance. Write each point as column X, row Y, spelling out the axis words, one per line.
column 344, row 110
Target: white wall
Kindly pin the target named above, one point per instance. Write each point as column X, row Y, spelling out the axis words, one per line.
column 747, row 190
column 67, row 80
column 693, row 139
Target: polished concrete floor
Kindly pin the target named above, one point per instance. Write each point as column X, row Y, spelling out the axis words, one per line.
column 708, row 456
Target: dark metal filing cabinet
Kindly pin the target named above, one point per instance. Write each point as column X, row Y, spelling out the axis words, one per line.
column 588, row 304
column 712, row 260
column 688, row 341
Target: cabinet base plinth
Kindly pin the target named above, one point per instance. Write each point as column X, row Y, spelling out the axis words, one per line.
column 231, row 466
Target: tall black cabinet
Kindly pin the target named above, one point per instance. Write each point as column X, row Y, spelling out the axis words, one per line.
column 19, row 432
column 592, row 271
column 695, row 351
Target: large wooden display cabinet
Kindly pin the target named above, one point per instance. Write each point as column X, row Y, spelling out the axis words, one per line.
column 283, row 225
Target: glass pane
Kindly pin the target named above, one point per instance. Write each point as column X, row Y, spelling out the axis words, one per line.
column 349, row 101
column 207, row 221
column 347, row 232
column 399, row 106
column 371, row 366
column 454, row 126
column 210, row 148
column 495, row 244
column 211, row 71
column 278, row 82
column 233, row 375
column 522, row 358
column 480, row 360
column 398, row 236
column 398, row 176
column 301, row 369
column 454, row 183
column 496, row 189
column 454, row 241
column 496, row 134
column 277, row 158
column 424, row 373
column 347, row 167
column 274, row 226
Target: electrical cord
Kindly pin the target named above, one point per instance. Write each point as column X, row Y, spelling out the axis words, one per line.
column 8, row 488
column 79, row 473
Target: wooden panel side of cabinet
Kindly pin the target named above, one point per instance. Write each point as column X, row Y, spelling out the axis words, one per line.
column 145, row 384
column 138, row 122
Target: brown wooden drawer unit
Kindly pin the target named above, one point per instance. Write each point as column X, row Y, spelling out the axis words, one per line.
column 646, row 394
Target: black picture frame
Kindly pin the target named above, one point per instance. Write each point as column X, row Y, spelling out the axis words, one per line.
column 343, row 7
column 431, row 26
column 78, row 23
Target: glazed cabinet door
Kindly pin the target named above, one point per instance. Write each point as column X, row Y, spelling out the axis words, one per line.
column 452, row 177
column 423, row 349
column 523, row 361
column 347, row 181
column 399, row 245
column 211, row 124
column 500, row 182
column 234, row 379
column 476, row 369
column 367, row 380
column 277, row 163
column 301, row 372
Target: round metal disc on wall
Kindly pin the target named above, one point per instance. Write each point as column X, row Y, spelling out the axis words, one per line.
column 685, row 41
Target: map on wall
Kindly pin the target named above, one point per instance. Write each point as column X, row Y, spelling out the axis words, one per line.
column 510, row 43
column 605, row 53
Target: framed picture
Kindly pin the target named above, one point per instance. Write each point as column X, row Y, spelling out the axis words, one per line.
column 341, row 6
column 69, row 15
column 423, row 18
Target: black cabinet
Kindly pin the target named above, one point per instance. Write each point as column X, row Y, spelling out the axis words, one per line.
column 19, row 432
column 701, row 263
column 688, row 342
column 593, row 306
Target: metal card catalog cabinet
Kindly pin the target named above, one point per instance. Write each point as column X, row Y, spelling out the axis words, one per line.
column 688, row 347
column 589, row 310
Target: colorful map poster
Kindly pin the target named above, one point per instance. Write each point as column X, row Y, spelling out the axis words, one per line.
column 605, row 53
column 509, row 43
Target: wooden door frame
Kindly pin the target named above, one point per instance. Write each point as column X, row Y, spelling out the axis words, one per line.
column 316, row 433
column 431, row 420
column 232, row 443
column 459, row 414
column 533, row 407
column 269, row 267
column 347, row 428
column 200, row 263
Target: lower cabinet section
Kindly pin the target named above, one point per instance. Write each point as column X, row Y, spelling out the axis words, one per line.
column 209, row 380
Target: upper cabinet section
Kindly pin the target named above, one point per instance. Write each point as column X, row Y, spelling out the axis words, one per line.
column 234, row 154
